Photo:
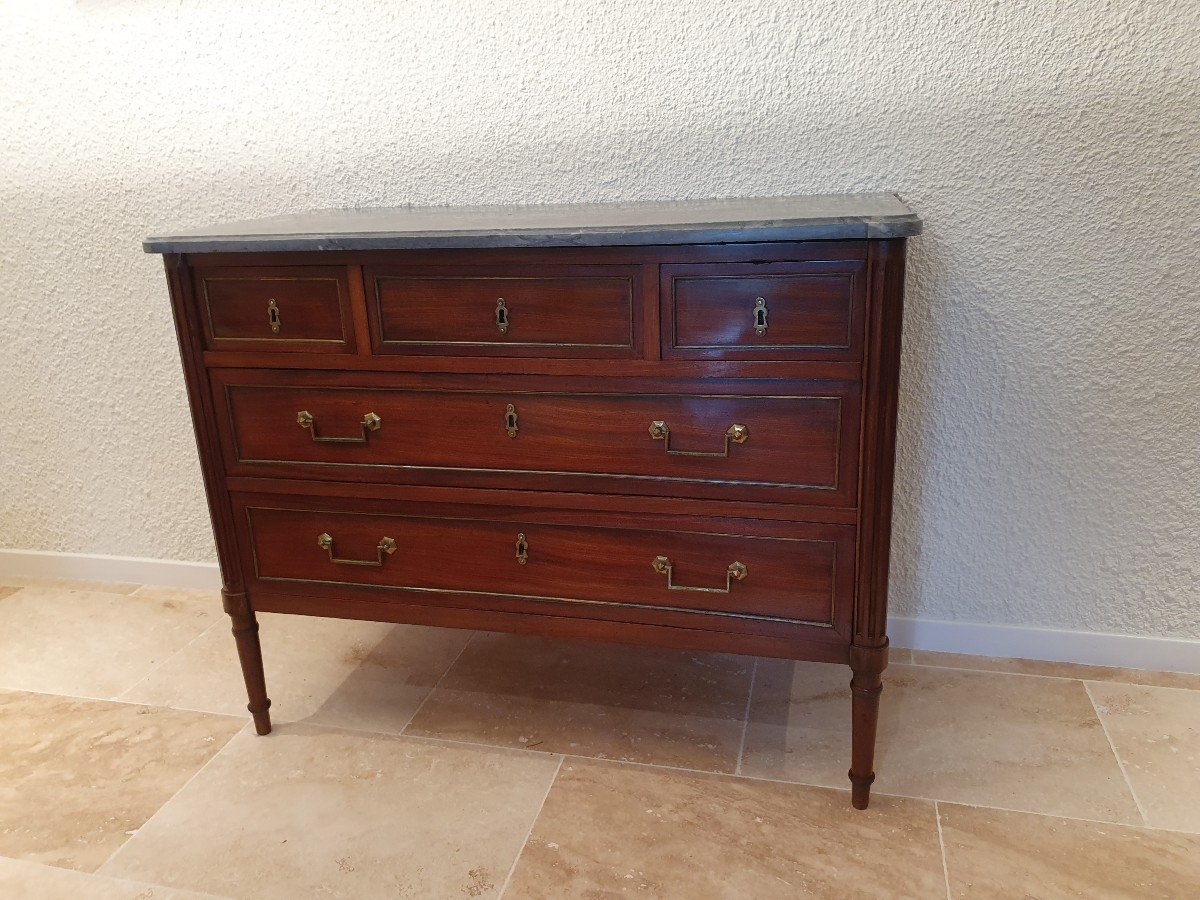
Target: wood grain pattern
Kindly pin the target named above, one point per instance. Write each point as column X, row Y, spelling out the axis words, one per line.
column 548, row 311
column 810, row 310
column 602, row 342
column 260, row 309
column 801, row 446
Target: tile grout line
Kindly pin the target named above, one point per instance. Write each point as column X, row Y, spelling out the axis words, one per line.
column 719, row 774
column 1166, row 687
column 87, row 699
column 155, row 668
column 1117, row 756
column 164, row 804
column 437, row 684
column 746, row 719
column 937, row 814
column 525, row 843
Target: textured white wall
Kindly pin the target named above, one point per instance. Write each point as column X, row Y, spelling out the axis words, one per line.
column 1050, row 431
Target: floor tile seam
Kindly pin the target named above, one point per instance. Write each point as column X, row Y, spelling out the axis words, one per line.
column 878, row 793
column 727, row 774
column 90, row 699
column 529, row 834
column 746, row 718
column 168, row 801
column 437, row 684
column 158, row 666
column 121, row 879
column 1117, row 756
column 937, row 814
column 1052, row 677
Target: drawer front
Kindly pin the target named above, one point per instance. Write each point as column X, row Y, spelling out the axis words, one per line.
column 293, row 309
column 471, row 559
column 810, row 310
column 796, row 446
column 576, row 311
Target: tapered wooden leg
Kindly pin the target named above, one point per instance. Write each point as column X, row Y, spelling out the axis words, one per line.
column 245, row 632
column 866, row 685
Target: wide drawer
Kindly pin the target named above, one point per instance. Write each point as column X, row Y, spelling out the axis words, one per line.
column 555, row 311
column 789, row 310
column 795, row 444
column 490, row 557
column 282, row 308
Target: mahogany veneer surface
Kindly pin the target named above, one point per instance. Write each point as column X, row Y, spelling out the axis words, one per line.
column 678, row 443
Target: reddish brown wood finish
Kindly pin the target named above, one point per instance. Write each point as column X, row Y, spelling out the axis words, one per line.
column 592, row 435
column 619, row 337
column 293, row 308
column 810, row 310
column 792, row 569
column 548, row 311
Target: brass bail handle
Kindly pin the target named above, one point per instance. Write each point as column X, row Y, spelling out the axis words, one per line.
column 386, row 546
column 736, row 571
column 736, row 434
column 370, row 422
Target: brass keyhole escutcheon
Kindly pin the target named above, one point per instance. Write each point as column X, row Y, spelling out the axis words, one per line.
column 510, row 421
column 273, row 315
column 760, row 315
column 522, row 549
column 501, row 316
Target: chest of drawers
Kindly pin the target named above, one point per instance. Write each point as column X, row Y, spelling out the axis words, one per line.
column 668, row 424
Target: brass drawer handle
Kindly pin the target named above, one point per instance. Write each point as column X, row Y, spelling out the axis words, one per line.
column 273, row 315
column 736, row 570
column 370, row 422
column 385, row 545
column 501, row 316
column 661, row 431
column 760, row 315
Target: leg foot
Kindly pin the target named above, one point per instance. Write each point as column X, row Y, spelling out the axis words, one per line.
column 867, row 664
column 245, row 633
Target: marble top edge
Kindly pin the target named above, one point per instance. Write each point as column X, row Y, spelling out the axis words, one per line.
column 820, row 217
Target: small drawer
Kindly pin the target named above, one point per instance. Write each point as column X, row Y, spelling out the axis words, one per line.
column 563, row 311
column 798, row 310
column 489, row 431
column 294, row 309
column 479, row 556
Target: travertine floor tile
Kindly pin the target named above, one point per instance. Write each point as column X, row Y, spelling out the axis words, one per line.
column 30, row 881
column 315, row 812
column 993, row 854
column 91, row 644
column 77, row 776
column 72, row 584
column 1054, row 669
column 366, row 675
column 971, row 737
column 604, row 700
column 1156, row 733
column 611, row 830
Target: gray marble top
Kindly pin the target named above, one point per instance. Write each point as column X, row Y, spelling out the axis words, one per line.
column 828, row 217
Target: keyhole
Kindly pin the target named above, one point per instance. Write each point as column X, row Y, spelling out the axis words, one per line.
column 522, row 549
column 760, row 316
column 510, row 421
column 273, row 315
column 501, row 316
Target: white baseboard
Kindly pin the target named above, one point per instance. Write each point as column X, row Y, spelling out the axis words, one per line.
column 94, row 567
column 976, row 638
column 1128, row 651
